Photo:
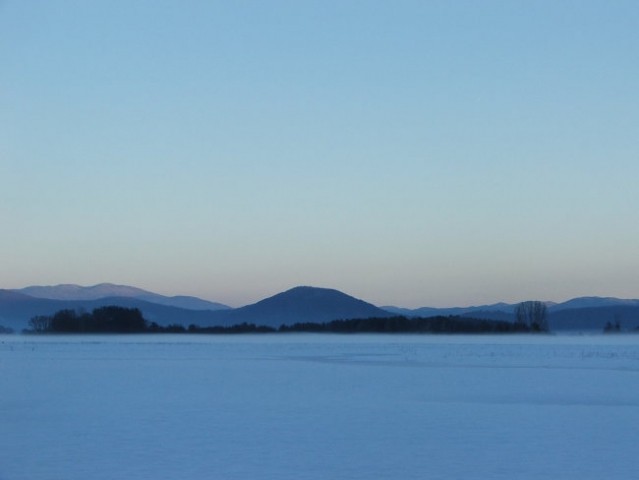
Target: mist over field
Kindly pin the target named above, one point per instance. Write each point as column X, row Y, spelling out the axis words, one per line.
column 304, row 406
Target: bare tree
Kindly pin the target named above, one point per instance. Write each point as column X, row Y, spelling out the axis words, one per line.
column 532, row 314
column 40, row 323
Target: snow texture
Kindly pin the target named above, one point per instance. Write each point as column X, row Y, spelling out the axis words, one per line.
column 305, row 406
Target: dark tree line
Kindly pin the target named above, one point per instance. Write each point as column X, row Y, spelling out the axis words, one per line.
column 130, row 320
column 398, row 324
column 239, row 328
column 401, row 324
column 102, row 320
column 113, row 319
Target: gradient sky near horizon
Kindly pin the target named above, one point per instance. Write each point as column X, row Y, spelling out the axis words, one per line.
column 414, row 153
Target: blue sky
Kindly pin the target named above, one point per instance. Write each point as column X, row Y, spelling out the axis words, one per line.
column 410, row 152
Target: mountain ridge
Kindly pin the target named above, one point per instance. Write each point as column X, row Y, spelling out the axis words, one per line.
column 296, row 305
column 573, row 303
column 299, row 304
column 69, row 291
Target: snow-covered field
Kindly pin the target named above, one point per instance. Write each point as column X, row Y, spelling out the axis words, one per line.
column 319, row 407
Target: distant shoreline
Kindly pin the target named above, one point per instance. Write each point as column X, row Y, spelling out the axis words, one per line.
column 120, row 320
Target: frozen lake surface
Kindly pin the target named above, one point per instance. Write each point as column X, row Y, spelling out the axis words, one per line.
column 305, row 406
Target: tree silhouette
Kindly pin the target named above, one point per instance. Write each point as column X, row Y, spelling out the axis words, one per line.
column 111, row 319
column 532, row 314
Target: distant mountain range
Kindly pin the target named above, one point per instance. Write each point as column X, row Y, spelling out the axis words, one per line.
column 432, row 311
column 582, row 313
column 299, row 304
column 109, row 290
column 575, row 303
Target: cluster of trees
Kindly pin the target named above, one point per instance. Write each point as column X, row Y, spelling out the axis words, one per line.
column 101, row 320
column 401, row 324
column 532, row 315
column 612, row 327
column 240, row 328
column 398, row 324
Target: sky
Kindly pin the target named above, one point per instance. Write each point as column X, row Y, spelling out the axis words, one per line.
column 411, row 153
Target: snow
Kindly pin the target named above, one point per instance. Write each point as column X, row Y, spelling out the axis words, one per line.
column 305, row 406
